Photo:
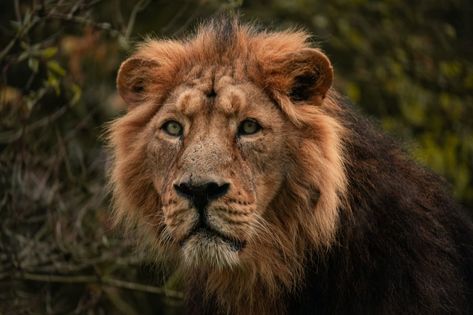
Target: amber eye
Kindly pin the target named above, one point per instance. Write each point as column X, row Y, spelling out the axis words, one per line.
column 173, row 128
column 248, row 127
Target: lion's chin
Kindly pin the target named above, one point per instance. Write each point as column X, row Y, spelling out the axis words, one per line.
column 202, row 249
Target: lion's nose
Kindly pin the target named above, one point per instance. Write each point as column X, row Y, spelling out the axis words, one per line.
column 201, row 194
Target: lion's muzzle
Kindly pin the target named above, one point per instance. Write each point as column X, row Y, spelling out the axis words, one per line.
column 200, row 193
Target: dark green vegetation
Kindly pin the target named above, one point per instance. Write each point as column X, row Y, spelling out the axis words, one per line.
column 407, row 64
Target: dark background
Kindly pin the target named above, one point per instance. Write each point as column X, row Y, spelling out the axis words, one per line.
column 407, row 64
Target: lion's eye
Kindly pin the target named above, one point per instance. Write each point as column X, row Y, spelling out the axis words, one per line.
column 172, row 128
column 248, row 127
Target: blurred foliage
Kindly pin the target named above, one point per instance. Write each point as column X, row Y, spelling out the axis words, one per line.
column 407, row 64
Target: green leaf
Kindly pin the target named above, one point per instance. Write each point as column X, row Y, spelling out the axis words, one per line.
column 54, row 83
column 49, row 52
column 33, row 64
column 76, row 94
column 23, row 56
column 55, row 67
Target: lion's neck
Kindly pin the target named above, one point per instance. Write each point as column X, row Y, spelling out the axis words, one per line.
column 258, row 287
column 236, row 292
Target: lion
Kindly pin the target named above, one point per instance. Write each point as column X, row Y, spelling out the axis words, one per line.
column 238, row 162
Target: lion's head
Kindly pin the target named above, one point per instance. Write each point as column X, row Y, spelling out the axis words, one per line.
column 229, row 158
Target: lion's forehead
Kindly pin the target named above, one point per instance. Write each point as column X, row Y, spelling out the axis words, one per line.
column 215, row 88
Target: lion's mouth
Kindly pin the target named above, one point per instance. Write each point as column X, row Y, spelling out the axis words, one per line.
column 209, row 233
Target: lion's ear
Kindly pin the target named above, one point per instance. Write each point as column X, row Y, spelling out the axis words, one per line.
column 310, row 75
column 134, row 80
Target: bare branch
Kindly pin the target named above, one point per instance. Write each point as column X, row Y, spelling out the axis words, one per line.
column 106, row 281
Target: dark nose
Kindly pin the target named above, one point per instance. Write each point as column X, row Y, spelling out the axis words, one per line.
column 201, row 194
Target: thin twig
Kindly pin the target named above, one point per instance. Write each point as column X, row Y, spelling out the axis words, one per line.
column 106, row 281
column 141, row 5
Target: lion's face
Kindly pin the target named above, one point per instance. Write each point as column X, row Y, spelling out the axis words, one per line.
column 230, row 159
column 217, row 154
column 226, row 157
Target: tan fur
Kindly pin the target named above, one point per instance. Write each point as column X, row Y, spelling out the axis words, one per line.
column 287, row 182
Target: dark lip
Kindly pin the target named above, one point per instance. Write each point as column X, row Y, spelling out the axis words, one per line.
column 235, row 244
